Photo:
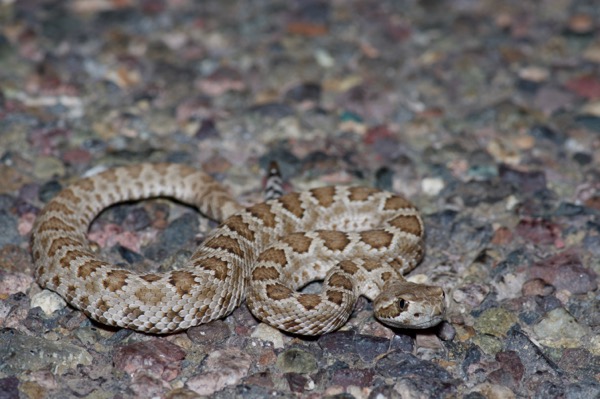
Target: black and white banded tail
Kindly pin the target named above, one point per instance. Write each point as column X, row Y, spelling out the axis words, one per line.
column 274, row 182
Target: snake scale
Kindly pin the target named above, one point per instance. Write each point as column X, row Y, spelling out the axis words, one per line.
column 357, row 240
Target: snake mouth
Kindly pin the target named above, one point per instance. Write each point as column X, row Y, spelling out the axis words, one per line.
column 431, row 322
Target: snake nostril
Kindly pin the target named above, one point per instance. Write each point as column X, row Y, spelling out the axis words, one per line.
column 417, row 315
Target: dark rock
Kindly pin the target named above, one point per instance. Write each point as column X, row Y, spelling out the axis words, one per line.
column 24, row 353
column 569, row 209
column 538, row 231
column 369, row 347
column 423, row 376
column 357, row 377
column 583, row 390
column 210, row 333
column 297, row 382
column 384, row 178
column 526, row 182
column 583, row 158
column 338, row 342
column 128, row 255
column 590, row 122
column 398, row 364
column 580, row 361
column 402, row 342
column 473, row 356
column 550, row 389
column 489, row 191
column 9, row 233
column 49, row 190
column 273, row 110
column 511, row 370
column 9, row 387
column 296, row 360
column 136, row 219
column 535, row 362
column 207, row 130
column 304, row 92
column 547, row 133
column 181, row 231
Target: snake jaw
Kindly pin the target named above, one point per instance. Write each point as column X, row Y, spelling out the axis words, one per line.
column 404, row 304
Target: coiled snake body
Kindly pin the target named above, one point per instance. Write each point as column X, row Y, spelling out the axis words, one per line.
column 358, row 240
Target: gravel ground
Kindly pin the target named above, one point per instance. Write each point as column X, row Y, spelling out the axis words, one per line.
column 485, row 113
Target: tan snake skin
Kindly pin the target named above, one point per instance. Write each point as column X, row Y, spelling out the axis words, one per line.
column 358, row 240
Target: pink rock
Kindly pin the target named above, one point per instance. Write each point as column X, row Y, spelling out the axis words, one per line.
column 587, row 86
column 565, row 271
column 221, row 368
column 158, row 358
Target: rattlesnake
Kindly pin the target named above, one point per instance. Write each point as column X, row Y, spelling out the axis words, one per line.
column 358, row 240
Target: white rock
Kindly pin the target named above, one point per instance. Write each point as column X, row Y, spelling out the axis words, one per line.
column 49, row 301
column 432, row 185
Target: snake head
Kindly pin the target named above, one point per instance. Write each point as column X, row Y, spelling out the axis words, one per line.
column 404, row 304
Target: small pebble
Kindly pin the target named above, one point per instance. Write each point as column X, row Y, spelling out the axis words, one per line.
column 48, row 301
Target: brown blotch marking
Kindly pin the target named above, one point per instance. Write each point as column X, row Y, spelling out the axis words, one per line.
column 69, row 257
column 110, row 175
column 370, row 265
column 201, row 312
column 236, row 224
column 264, row 273
column 70, row 293
column 85, row 301
column 377, row 238
column 291, row 325
column 55, row 206
column 299, row 242
column 334, row 240
column 263, row 212
column 338, row 280
column 386, row 276
column 273, row 255
column 225, row 243
column 135, row 170
column 348, row 266
column 361, row 193
column 309, row 301
column 278, row 291
column 291, row 202
column 163, row 168
column 132, row 312
column 390, row 311
column 56, row 281
column 151, row 295
column 335, row 297
column 150, row 277
column 396, row 202
column 89, row 267
column 86, row 184
column 60, row 242
column 70, row 196
column 408, row 223
column 218, row 266
column 54, row 223
column 115, row 279
column 102, row 306
column 183, row 281
column 323, row 195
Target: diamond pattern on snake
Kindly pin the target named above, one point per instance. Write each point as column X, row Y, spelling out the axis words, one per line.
column 357, row 240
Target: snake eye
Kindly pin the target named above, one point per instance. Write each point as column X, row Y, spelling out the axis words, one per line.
column 402, row 304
